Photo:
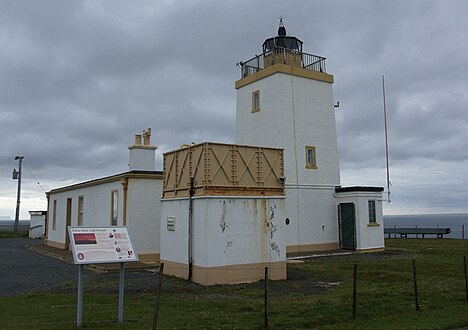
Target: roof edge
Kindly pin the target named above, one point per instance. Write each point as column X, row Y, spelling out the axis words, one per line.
column 116, row 177
column 358, row 189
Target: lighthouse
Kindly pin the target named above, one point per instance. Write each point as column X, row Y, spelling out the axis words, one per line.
column 285, row 100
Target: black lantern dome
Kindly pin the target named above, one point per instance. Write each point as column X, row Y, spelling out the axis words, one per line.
column 282, row 41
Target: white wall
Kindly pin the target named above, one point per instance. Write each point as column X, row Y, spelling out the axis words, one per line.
column 37, row 225
column 144, row 213
column 312, row 216
column 141, row 158
column 368, row 236
column 97, row 208
column 226, row 231
column 295, row 112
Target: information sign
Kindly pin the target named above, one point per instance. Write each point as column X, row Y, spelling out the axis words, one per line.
column 93, row 245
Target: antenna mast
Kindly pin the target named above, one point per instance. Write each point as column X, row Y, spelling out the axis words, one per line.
column 386, row 139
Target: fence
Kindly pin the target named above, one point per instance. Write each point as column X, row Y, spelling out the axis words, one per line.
column 383, row 285
column 8, row 225
column 283, row 56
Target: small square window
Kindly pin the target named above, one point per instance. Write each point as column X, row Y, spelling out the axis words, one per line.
column 256, row 101
column 372, row 217
column 311, row 157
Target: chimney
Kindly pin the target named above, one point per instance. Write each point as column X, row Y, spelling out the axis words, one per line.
column 141, row 156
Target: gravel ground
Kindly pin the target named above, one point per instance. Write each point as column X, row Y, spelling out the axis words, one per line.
column 23, row 271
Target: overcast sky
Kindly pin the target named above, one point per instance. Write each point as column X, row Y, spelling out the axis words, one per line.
column 79, row 78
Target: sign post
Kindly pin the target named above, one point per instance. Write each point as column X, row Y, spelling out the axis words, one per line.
column 79, row 307
column 94, row 245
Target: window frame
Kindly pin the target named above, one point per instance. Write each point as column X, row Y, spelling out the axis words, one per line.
column 80, row 207
column 255, row 101
column 54, row 215
column 114, row 208
column 372, row 212
column 308, row 165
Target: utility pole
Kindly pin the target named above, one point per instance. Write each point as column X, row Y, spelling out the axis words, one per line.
column 16, row 227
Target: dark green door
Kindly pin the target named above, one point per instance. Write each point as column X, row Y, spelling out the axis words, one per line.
column 347, row 220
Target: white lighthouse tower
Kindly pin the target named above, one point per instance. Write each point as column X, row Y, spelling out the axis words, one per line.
column 285, row 100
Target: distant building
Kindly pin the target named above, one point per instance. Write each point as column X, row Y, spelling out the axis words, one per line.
column 37, row 224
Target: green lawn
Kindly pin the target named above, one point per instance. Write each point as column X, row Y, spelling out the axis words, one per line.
column 11, row 234
column 317, row 295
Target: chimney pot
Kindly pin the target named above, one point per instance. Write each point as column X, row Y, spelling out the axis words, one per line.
column 138, row 139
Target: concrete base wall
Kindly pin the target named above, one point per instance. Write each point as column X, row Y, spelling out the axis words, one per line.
column 232, row 274
column 233, row 238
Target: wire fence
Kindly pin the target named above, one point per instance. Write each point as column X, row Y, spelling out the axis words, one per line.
column 362, row 291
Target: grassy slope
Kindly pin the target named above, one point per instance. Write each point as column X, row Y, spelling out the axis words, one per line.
column 318, row 295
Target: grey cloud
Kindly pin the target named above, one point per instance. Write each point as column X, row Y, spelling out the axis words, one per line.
column 78, row 79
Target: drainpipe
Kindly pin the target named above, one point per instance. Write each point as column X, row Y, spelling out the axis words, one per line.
column 124, row 182
column 190, row 230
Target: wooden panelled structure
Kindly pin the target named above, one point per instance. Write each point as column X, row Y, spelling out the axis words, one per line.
column 224, row 169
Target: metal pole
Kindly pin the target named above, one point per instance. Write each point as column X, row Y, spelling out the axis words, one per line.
column 416, row 300
column 354, row 291
column 121, row 291
column 79, row 307
column 463, row 231
column 466, row 277
column 18, row 197
column 158, row 296
column 266, row 299
column 386, row 138
column 190, row 229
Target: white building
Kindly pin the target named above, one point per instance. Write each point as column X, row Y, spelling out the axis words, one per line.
column 223, row 213
column 285, row 100
column 223, row 229
column 37, row 224
column 130, row 199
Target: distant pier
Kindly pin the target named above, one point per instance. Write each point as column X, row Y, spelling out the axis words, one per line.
column 404, row 232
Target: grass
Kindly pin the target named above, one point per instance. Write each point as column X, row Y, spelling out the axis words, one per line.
column 12, row 234
column 317, row 295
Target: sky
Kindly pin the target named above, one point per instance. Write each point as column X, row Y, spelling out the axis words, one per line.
column 79, row 78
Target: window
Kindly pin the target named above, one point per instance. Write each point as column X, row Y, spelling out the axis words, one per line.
column 372, row 217
column 114, row 207
column 80, row 210
column 54, row 215
column 256, row 101
column 311, row 159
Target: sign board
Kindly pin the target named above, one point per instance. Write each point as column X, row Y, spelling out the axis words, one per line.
column 94, row 245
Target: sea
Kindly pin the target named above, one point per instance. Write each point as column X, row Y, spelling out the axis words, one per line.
column 457, row 222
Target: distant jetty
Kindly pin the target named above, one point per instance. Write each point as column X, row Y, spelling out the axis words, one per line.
column 418, row 232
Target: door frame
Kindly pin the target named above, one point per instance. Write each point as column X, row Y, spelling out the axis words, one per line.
column 340, row 231
column 68, row 216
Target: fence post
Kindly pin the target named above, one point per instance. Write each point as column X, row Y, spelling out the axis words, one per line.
column 463, row 231
column 354, row 290
column 466, row 278
column 266, row 299
column 158, row 296
column 415, row 286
